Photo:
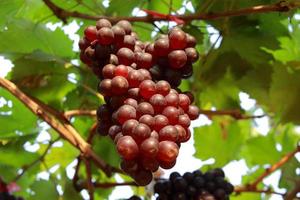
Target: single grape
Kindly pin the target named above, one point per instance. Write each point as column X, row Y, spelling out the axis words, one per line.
column 173, row 176
column 147, row 89
column 172, row 114
column 119, row 85
column 141, row 132
column 190, row 95
column 192, row 54
column 218, row 172
column 144, row 60
column 116, row 101
column 193, row 112
column 103, row 127
column 83, row 43
column 190, row 40
column 133, row 93
column 125, row 25
column 114, row 130
column 117, row 137
column 161, row 47
column 199, row 182
column 229, row 188
column 143, row 177
column 125, row 113
column 108, row 71
column 125, row 56
column 181, row 133
column 90, row 33
column 105, row 36
column 172, row 99
column 150, row 48
column 128, row 126
column 149, row 147
column 159, row 187
column 177, row 59
column 144, row 108
column 127, row 147
column 158, row 102
column 148, row 120
column 105, row 87
column 90, row 53
column 169, row 133
column 134, row 197
column 119, row 33
column 103, row 23
column 132, row 102
column 184, row 101
column 187, row 135
column 188, row 176
column 121, row 70
column 134, row 78
column 145, row 74
column 160, row 122
column 173, row 76
column 167, row 151
column 163, row 87
column 177, row 39
column 184, row 120
column 129, row 42
column 167, row 165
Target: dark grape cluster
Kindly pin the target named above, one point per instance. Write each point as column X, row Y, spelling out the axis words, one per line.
column 145, row 114
column 134, row 197
column 194, row 185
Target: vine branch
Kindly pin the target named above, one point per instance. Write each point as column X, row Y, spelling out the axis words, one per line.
column 65, row 129
column 281, row 6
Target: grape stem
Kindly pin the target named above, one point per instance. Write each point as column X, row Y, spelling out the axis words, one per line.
column 281, row 6
column 58, row 123
column 252, row 187
column 90, row 185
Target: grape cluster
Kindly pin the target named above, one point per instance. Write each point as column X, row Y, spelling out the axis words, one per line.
column 194, row 185
column 134, row 197
column 145, row 114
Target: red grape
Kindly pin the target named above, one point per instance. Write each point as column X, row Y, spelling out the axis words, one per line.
column 125, row 113
column 132, row 102
column 90, row 33
column 150, row 164
column 125, row 25
column 150, row 48
column 129, row 42
column 114, row 130
column 134, row 78
column 172, row 99
column 119, row 85
column 177, row 59
column 169, row 133
column 192, row 54
column 144, row 60
column 141, row 132
column 119, row 33
column 103, row 23
column 154, row 134
column 161, row 47
column 163, row 87
column 144, row 108
column 184, row 120
column 127, row 147
column 143, row 177
column 160, row 122
column 105, row 87
column 167, row 165
column 193, row 112
column 172, row 114
column 129, row 166
column 117, row 137
column 149, row 147
column 190, row 40
column 128, row 126
column 158, row 102
column 125, row 56
column 148, row 120
column 133, row 93
column 83, row 43
column 181, row 133
column 108, row 71
column 177, row 39
column 105, row 36
column 121, row 70
column 167, row 151
column 145, row 73
column 184, row 101
column 147, row 89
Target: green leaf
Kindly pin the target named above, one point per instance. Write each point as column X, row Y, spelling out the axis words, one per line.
column 124, row 10
column 261, row 150
column 43, row 76
column 289, row 176
column 30, row 37
column 12, row 115
column 164, row 6
column 44, row 190
column 220, row 140
column 70, row 193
